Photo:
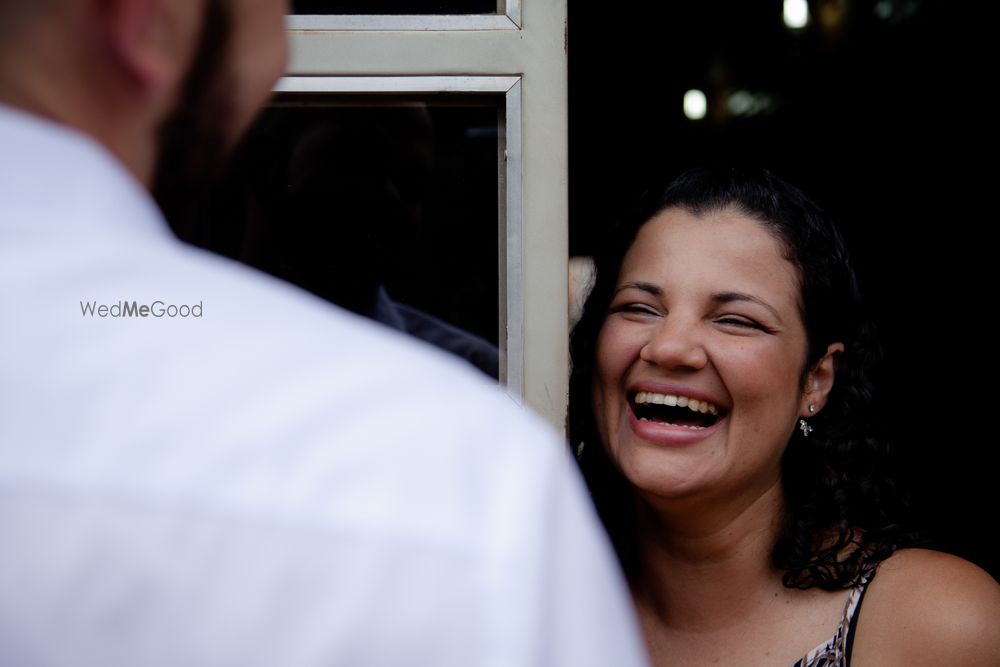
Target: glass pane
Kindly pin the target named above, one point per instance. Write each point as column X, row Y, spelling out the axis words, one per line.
column 397, row 6
column 387, row 209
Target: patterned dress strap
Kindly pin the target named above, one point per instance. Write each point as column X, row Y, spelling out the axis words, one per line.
column 836, row 652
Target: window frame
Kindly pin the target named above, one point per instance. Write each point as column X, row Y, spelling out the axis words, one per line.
column 520, row 54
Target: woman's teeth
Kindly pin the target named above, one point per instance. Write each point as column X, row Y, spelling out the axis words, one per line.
column 652, row 398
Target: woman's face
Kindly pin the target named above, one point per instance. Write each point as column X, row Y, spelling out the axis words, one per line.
column 698, row 375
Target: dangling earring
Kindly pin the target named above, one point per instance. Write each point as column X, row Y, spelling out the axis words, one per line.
column 804, row 425
column 579, row 449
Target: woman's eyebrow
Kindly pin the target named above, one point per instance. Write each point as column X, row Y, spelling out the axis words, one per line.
column 645, row 287
column 728, row 297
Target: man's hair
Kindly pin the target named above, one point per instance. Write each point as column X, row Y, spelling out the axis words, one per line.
column 193, row 139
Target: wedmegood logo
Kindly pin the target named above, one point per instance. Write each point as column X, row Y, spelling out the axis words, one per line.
column 134, row 309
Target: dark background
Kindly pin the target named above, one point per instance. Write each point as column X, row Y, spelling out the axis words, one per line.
column 876, row 109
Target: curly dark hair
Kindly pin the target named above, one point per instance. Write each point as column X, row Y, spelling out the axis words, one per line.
column 841, row 501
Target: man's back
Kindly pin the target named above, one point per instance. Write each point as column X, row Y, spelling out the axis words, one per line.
column 266, row 480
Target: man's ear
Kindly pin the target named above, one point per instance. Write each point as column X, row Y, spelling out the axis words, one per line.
column 819, row 381
column 152, row 41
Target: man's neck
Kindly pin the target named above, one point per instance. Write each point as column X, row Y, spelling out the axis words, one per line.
column 58, row 86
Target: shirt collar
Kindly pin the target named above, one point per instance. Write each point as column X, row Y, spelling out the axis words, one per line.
column 68, row 178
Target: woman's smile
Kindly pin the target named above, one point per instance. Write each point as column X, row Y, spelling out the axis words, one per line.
column 673, row 415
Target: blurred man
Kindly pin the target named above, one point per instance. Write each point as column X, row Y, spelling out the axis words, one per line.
column 202, row 466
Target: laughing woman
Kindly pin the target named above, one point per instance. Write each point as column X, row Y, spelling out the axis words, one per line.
column 721, row 406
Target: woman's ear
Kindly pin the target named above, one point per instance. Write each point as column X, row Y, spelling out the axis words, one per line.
column 819, row 381
column 152, row 41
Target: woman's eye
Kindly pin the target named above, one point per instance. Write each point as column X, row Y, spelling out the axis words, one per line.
column 634, row 309
column 742, row 322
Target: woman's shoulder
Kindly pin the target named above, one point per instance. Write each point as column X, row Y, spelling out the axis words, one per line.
column 929, row 608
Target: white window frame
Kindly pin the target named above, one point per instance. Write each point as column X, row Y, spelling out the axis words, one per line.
column 519, row 53
column 508, row 18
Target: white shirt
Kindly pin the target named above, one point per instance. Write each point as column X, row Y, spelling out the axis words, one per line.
column 275, row 482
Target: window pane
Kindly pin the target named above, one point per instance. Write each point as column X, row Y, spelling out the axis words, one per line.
column 387, row 209
column 396, row 6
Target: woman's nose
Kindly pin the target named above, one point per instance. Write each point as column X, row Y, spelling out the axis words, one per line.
column 675, row 343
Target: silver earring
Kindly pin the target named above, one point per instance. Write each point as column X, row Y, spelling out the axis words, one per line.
column 812, row 408
column 805, row 428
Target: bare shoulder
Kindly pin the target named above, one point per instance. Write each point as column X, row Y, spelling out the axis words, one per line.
column 929, row 608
